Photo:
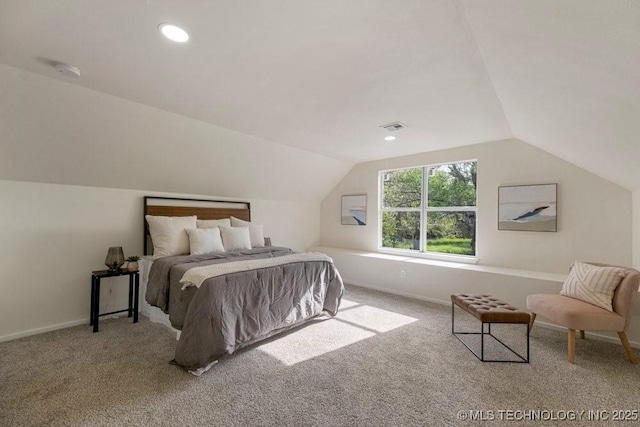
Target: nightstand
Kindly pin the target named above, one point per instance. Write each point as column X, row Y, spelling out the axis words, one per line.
column 134, row 287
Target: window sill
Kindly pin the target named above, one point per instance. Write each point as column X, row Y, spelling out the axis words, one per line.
column 402, row 257
column 431, row 255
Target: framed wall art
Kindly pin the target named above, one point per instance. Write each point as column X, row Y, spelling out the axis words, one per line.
column 528, row 207
column 354, row 210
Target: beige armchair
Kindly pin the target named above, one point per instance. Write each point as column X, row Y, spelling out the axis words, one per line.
column 578, row 315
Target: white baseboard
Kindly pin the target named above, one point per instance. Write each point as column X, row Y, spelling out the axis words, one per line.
column 43, row 330
column 596, row 336
column 448, row 303
column 55, row 327
column 395, row 292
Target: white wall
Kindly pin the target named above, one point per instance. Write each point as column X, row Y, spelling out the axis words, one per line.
column 594, row 215
column 53, row 236
column 636, row 229
column 594, row 223
column 53, row 131
column 68, row 137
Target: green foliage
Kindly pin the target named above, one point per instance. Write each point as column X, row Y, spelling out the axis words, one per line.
column 401, row 230
column 451, row 246
column 451, row 185
column 402, row 188
column 133, row 258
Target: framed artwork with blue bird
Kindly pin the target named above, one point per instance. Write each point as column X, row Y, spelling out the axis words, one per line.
column 528, row 207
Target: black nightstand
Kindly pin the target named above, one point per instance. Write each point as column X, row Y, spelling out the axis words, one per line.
column 134, row 287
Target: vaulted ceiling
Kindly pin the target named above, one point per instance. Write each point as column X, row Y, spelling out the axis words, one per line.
column 322, row 76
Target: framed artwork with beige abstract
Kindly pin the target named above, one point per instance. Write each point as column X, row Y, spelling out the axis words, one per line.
column 354, row 209
column 528, row 207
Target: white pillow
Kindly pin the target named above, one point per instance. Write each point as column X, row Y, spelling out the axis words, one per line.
column 205, row 240
column 256, row 231
column 168, row 234
column 593, row 284
column 210, row 223
column 235, row 238
column 237, row 222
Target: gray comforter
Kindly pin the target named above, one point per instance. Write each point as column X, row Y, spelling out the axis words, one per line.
column 232, row 311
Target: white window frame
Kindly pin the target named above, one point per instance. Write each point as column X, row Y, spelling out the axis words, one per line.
column 423, row 209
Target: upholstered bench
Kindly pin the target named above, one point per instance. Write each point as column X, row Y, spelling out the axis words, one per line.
column 489, row 310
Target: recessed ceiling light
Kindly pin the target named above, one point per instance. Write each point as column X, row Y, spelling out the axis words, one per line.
column 389, row 138
column 173, row 32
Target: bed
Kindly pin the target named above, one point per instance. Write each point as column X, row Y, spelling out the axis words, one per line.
column 223, row 300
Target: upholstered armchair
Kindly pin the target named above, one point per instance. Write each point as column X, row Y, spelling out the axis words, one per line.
column 577, row 315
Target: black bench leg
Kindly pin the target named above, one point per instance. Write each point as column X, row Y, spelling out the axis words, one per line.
column 482, row 342
column 528, row 330
column 453, row 318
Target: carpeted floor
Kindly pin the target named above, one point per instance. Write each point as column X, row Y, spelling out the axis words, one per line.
column 385, row 360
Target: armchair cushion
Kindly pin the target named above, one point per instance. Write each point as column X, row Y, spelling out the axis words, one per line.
column 593, row 284
column 574, row 314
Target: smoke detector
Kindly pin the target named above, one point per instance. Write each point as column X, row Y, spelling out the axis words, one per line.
column 395, row 126
column 67, row 70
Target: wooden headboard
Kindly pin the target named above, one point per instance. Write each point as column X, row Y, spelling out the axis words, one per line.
column 203, row 209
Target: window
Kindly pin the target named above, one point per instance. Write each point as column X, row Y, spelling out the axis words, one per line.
column 429, row 209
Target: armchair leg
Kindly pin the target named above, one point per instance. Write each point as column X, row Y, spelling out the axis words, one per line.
column 572, row 345
column 627, row 347
column 533, row 319
column 581, row 333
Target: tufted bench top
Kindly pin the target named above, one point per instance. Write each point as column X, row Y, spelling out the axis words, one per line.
column 490, row 309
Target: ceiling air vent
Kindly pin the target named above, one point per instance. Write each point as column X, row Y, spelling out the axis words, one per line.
column 395, row 126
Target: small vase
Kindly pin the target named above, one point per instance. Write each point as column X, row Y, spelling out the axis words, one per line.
column 115, row 258
column 132, row 266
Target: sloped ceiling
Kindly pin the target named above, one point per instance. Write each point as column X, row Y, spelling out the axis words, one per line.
column 323, row 76
column 567, row 74
column 55, row 132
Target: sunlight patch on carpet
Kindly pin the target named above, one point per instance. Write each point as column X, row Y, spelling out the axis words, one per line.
column 313, row 341
column 375, row 318
column 346, row 304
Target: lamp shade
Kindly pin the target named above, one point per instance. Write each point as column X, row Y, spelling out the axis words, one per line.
column 115, row 258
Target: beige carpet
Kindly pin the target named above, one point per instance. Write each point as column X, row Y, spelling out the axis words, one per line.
column 385, row 360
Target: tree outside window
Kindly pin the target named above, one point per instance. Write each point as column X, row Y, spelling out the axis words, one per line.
column 430, row 208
